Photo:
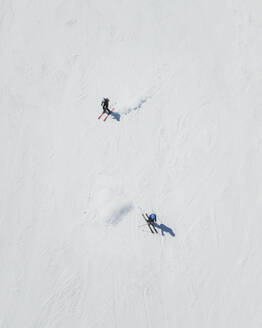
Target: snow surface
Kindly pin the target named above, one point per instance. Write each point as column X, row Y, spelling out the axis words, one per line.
column 185, row 141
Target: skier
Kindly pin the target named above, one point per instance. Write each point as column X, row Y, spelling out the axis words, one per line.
column 151, row 218
column 105, row 104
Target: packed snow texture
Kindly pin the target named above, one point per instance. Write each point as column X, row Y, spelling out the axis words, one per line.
column 185, row 142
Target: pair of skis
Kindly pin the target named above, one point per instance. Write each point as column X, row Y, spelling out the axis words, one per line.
column 106, row 115
column 150, row 225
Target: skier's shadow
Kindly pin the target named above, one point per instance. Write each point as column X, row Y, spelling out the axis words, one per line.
column 115, row 116
column 164, row 229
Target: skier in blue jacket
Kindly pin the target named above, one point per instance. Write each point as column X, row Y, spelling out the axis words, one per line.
column 151, row 218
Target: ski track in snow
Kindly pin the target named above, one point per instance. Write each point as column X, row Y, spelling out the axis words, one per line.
column 119, row 214
column 139, row 105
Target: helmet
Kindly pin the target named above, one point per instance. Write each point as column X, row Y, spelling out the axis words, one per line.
column 153, row 216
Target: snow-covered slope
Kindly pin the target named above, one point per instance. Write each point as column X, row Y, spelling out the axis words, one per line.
column 184, row 78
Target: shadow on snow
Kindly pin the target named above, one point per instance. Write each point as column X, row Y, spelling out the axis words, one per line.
column 115, row 116
column 164, row 229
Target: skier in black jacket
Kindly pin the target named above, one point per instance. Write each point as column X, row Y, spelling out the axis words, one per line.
column 105, row 104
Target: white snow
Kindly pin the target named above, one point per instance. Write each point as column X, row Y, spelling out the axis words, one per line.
column 185, row 79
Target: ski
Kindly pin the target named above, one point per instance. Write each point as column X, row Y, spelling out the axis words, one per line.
column 100, row 116
column 147, row 223
column 155, row 229
column 108, row 114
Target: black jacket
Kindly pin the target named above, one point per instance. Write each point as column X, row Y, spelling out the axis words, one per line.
column 105, row 103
